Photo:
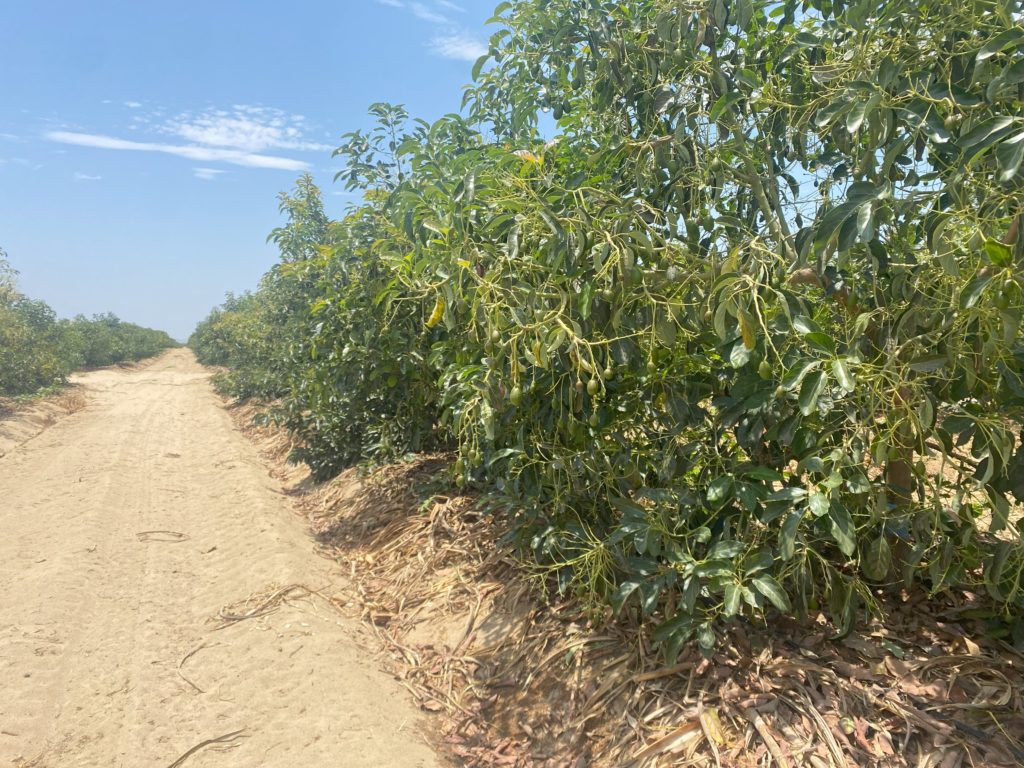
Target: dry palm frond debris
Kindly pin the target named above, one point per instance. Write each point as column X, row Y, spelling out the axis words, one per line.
column 261, row 604
column 523, row 678
column 71, row 401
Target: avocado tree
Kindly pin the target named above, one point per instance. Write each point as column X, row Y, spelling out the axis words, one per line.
column 779, row 242
column 739, row 330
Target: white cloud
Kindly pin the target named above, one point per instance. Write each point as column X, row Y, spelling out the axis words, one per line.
column 207, row 174
column 244, row 128
column 241, row 135
column 86, row 177
column 458, row 45
column 421, row 11
column 189, row 151
column 453, row 43
column 9, row 137
column 133, row 104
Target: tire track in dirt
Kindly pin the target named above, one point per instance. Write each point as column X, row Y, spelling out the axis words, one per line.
column 94, row 622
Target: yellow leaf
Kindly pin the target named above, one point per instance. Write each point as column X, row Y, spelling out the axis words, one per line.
column 437, row 314
column 712, row 725
column 529, row 156
column 747, row 329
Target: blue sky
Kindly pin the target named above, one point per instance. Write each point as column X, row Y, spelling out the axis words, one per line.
column 143, row 144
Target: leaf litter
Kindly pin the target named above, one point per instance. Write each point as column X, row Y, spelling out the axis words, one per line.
column 520, row 676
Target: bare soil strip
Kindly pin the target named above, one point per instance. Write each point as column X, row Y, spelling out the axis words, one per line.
column 161, row 606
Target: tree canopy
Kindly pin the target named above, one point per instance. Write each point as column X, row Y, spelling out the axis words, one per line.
column 742, row 333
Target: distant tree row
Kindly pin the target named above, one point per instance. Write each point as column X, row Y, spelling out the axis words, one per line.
column 39, row 350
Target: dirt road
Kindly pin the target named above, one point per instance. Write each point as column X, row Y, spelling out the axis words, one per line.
column 109, row 649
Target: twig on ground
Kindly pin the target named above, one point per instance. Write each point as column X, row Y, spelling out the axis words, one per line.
column 228, row 738
column 171, row 537
column 188, row 656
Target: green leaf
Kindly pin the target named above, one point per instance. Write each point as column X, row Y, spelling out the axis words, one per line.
column 797, row 374
column 665, row 327
column 843, row 375
column 999, row 254
column 479, row 65
column 822, row 342
column 876, row 558
column 787, row 536
column 1009, row 155
column 843, row 530
column 724, row 104
column 763, row 473
column 811, row 389
column 866, row 223
column 726, row 550
column 625, row 589
column 790, row 493
column 681, row 624
column 888, row 71
column 718, row 490
column 743, row 13
column 818, row 504
column 987, row 133
column 706, row 637
column 804, row 324
column 928, row 364
column 732, row 599
column 861, row 111
column 771, row 589
column 1001, row 42
column 740, row 355
column 972, row 292
column 859, row 194
column 1000, row 510
column 832, row 221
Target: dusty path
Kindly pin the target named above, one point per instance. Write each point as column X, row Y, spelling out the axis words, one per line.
column 94, row 622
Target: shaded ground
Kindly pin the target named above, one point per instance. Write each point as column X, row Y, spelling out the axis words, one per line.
column 160, row 601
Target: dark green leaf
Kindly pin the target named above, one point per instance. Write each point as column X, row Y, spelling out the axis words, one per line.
column 973, row 291
column 771, row 589
column 811, row 389
column 877, row 558
column 843, row 530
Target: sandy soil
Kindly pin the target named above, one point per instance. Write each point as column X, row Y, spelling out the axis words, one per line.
column 110, row 651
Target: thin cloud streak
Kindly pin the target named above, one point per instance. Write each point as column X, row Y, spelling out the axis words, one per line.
column 191, row 152
column 420, row 11
column 207, row 174
column 460, row 46
column 454, row 42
